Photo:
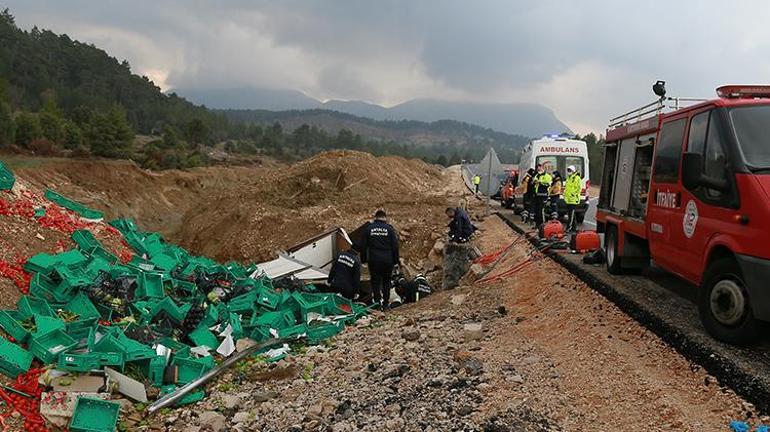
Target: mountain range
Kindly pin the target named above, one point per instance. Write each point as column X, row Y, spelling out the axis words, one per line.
column 530, row 120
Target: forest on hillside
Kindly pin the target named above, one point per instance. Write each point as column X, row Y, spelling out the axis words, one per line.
column 59, row 96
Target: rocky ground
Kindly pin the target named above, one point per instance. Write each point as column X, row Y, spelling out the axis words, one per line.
column 533, row 351
column 538, row 351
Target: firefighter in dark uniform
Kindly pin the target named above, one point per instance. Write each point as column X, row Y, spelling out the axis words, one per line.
column 542, row 183
column 460, row 227
column 345, row 275
column 380, row 244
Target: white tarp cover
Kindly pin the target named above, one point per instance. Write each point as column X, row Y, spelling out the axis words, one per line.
column 310, row 261
column 279, row 267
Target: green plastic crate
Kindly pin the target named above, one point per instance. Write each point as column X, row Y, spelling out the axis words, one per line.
column 101, row 252
column 189, row 287
column 96, row 266
column 310, row 303
column 175, row 312
column 188, row 399
column 188, row 369
column 73, row 205
column 29, row 306
column 173, row 344
column 235, row 322
column 71, row 258
column 136, row 350
column 84, row 336
column 109, row 343
column 14, row 360
column 154, row 369
column 45, row 324
column 10, row 321
column 150, row 285
column 94, row 415
column 43, row 287
column 275, row 319
column 7, row 178
column 40, row 263
column 123, row 225
column 293, row 331
column 211, row 317
column 318, row 333
column 85, row 240
column 78, row 362
column 83, row 306
column 260, row 334
column 165, row 262
column 48, row 346
column 113, row 360
column 243, row 303
column 203, row 336
column 268, row 298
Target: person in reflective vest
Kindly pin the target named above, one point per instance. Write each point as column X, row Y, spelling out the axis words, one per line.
column 527, row 191
column 476, row 182
column 542, row 183
column 572, row 195
column 554, row 194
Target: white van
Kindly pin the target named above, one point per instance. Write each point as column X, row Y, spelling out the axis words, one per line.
column 556, row 153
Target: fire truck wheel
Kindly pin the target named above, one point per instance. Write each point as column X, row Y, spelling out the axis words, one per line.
column 724, row 306
column 611, row 250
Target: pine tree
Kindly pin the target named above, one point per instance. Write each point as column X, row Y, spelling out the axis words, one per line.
column 7, row 126
column 27, row 129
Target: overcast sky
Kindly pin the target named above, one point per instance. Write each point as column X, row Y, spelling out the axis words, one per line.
column 587, row 60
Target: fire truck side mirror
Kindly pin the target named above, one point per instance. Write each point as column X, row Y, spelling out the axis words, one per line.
column 693, row 175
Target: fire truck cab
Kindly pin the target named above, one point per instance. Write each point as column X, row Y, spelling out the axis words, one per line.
column 690, row 190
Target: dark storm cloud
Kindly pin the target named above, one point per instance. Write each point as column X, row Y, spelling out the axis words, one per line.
column 587, row 60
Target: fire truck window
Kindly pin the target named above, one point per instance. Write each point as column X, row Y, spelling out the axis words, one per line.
column 697, row 139
column 714, row 159
column 669, row 152
column 750, row 125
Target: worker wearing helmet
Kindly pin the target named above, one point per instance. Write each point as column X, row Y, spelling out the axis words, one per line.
column 572, row 188
column 554, row 193
column 542, row 184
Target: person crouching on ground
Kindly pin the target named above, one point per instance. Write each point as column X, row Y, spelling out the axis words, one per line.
column 460, row 227
column 345, row 275
column 381, row 248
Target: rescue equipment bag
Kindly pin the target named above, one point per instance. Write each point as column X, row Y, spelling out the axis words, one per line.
column 585, row 241
column 553, row 229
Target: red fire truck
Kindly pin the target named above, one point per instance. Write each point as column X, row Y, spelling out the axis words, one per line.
column 689, row 188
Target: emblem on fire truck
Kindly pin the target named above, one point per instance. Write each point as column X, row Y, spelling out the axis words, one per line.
column 690, row 219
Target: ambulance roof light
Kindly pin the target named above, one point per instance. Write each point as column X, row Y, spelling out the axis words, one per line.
column 744, row 91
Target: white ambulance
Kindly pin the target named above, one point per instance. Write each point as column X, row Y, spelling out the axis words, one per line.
column 556, row 153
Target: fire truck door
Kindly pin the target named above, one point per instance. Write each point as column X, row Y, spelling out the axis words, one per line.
column 702, row 212
column 665, row 210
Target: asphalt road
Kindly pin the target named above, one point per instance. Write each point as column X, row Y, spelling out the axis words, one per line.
column 666, row 305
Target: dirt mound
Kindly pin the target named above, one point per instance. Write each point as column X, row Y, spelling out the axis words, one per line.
column 247, row 213
column 348, row 176
column 342, row 188
column 121, row 189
